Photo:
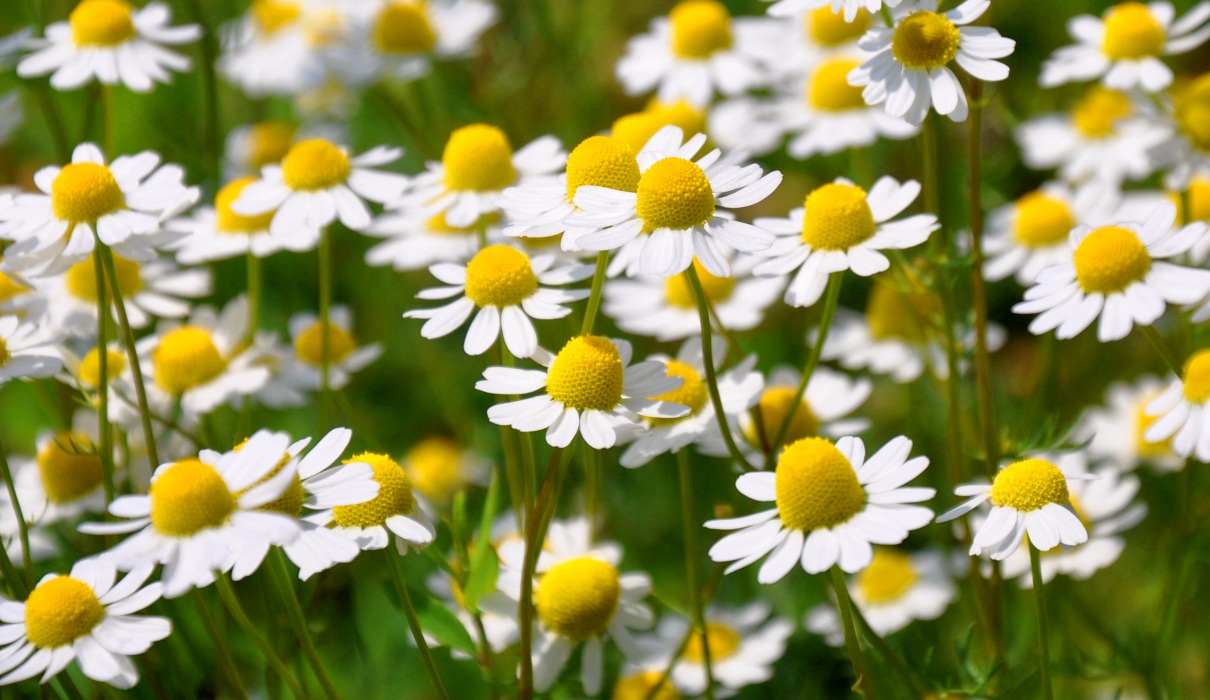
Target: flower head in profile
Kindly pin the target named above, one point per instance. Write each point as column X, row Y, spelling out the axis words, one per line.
column 396, row 510
column 743, row 644
column 1187, row 149
column 218, row 232
column 64, row 479
column 1181, row 412
column 636, row 129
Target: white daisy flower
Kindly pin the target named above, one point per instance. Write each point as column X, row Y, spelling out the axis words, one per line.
column 1116, row 431
column 1181, row 413
column 910, row 69
column 415, row 243
column 110, row 41
column 895, row 336
column 345, row 356
column 18, row 296
column 396, row 510
column 677, row 203
column 811, row 34
column 694, row 52
column 289, row 381
column 1124, row 45
column 1187, row 150
column 250, row 147
column 841, row 227
column 499, row 631
column 590, row 387
column 508, row 288
column 831, row 504
column 27, row 350
column 1117, row 273
column 65, row 479
column 439, row 468
column 84, row 617
column 316, row 183
column 198, row 517
column 849, row 10
column 743, row 644
column 218, row 233
column 124, row 202
column 1029, row 496
column 283, row 47
column 636, row 129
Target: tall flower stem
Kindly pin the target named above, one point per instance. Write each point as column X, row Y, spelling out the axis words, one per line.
column 108, row 134
column 27, row 581
column 850, row 634
column 1157, row 341
column 298, row 620
column 224, row 659
column 209, row 46
column 594, row 297
column 1035, row 566
column 983, row 366
column 253, row 265
column 103, row 370
column 692, row 575
column 405, row 598
column 905, row 673
column 227, row 592
column 325, row 311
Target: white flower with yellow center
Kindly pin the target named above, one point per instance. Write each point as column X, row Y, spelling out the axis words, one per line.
column 439, row 468
column 910, row 70
column 636, row 129
column 110, row 41
column 1029, row 496
column 897, row 588
column 83, row 372
column 1118, row 273
column 283, row 47
column 396, row 510
column 414, row 242
column 643, row 680
column 1124, row 45
column 316, row 183
column 1181, row 412
column 1187, row 149
column 743, row 644
column 842, row 227
column 345, row 356
column 831, row 504
column 1117, row 430
column 197, row 518
column 849, row 10
column 508, row 288
column 676, row 206
column 589, row 388
column 65, row 479
column 84, row 617
column 18, row 296
column 811, row 33
column 895, row 336
column 27, row 350
column 218, row 233
column 477, row 165
column 123, row 202
column 250, row 147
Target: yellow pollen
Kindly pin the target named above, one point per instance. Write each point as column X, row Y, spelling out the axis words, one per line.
column 404, row 28
column 84, row 192
column 721, row 640
column 829, row 29
column 1132, row 32
column 816, row 486
column 1099, row 110
column 1191, row 106
column 586, row 374
column 837, row 217
column 889, row 575
column 1029, row 484
column 188, row 497
column 61, row 610
column 604, row 162
column 101, row 23
column 680, row 294
column 925, row 40
column 314, row 164
column 227, row 221
column 829, row 89
column 272, row 15
column 268, row 143
column 394, row 494
column 69, row 466
column 290, row 502
column 1111, row 259
column 309, row 344
column 186, row 358
column 675, row 194
column 1042, row 220
column 478, row 158
column 577, row 598
column 434, row 466
column 641, row 685
column 500, row 276
column 774, row 404
column 895, row 315
column 81, row 278
column 699, row 28
column 635, row 130
column 1196, row 378
column 691, row 393
column 90, row 367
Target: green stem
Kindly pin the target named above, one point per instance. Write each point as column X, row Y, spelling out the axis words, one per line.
column 209, row 46
column 691, row 526
column 220, row 645
column 27, row 581
column 298, row 620
column 932, row 180
column 227, row 592
column 592, row 488
column 1035, row 565
column 594, row 297
column 1157, row 341
column 983, row 367
column 51, row 116
column 253, row 265
column 905, row 673
column 69, row 689
column 103, row 369
column 414, row 623
column 852, row 644
column 107, row 117
column 325, row 311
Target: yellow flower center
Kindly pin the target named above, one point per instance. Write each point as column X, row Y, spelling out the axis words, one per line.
column 889, row 575
column 837, row 217
column 1029, row 484
column 4, row 353
column 829, row 89
column 1196, row 379
column 721, row 640
column 478, row 158
column 290, row 502
column 691, row 393
column 586, row 374
column 816, row 486
column 1131, row 31
column 434, row 466
column 69, row 466
column 186, row 358
column 1042, row 220
column 81, row 278
column 1143, row 423
column 1099, row 110
column 1111, row 259
column 774, row 404
column 10, row 287
column 227, row 221
column 680, row 294
column 101, row 23
column 188, row 497
column 699, row 28
column 604, row 162
column 1192, row 110
column 268, row 143
column 674, row 193
column 894, row 315
column 61, row 610
column 90, row 367
column 1199, row 206
column 309, row 344
column 84, row 192
column 829, row 29
column 642, row 686
column 501, row 276
column 314, row 164
column 404, row 28
column 577, row 598
column 272, row 15
column 925, row 40
column 635, row 130
column 394, row 494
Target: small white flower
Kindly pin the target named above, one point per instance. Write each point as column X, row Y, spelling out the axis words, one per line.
column 396, row 510
column 65, row 478
column 1117, row 430
column 283, row 47
column 345, row 356
column 850, row 8
column 27, row 350
column 1181, row 411
column 218, row 233
column 743, row 644
column 415, row 242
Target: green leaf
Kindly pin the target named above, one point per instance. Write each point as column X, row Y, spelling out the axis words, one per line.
column 484, row 569
column 442, row 624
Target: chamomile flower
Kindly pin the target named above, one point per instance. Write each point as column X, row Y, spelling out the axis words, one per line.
column 910, row 70
column 282, row 47
column 439, row 467
column 590, row 388
column 1187, row 149
column 842, row 227
column 643, row 680
column 198, row 517
column 124, row 202
column 84, row 617
column 250, row 147
column 1181, row 413
column 110, row 41
column 743, row 644
column 500, row 631
column 316, row 183
column 1029, row 496
column 694, row 52
column 27, row 350
column 895, row 336
column 396, row 510
column 849, row 10
column 1117, row 431
column 676, row 208
column 219, row 233
column 18, row 296
column 508, row 288
column 635, row 130
column 345, row 356
column 65, row 478
column 415, row 242
column 1118, row 273
column 1124, row 45
column 810, row 35
column 831, row 504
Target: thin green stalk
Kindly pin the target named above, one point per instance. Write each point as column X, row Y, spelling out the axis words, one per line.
column 52, row 118
column 691, row 525
column 1035, row 566
column 253, row 265
column 225, row 662
column 932, row 180
column 905, row 673
column 852, row 644
column 414, row 623
column 592, row 488
column 481, row 232
column 227, row 592
column 107, row 117
column 298, row 620
column 983, row 366
column 517, row 468
column 1157, row 341
column 594, row 297
column 69, row 689
column 27, row 581
column 212, row 131
column 707, row 593
column 103, row 369
column 325, row 312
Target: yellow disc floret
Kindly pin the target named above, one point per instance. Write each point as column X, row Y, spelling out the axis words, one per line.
column 90, row 367
column 404, row 28
column 837, row 217
column 81, row 278
column 674, row 193
column 272, row 15
column 101, row 23
column 1198, row 194
column 268, row 142
column 1196, row 378
column 829, row 90
column 1042, row 220
column 478, row 158
column 394, row 494
column 435, row 467
column 889, row 575
column 501, row 276
column 634, row 130
column 290, row 502
column 680, row 294
column 602, row 161
column 226, row 220
column 1191, row 107
column 61, row 610
column 84, row 192
column 692, row 391
column 721, row 640
column 309, row 344
column 586, row 374
column 699, row 28
column 816, row 486
column 69, row 466
column 829, row 28
column 925, row 40
column 577, row 598
column 774, row 405
column 1099, row 110
column 188, row 497
column 1132, row 32
column 186, row 358
column 643, row 686
column 314, row 164
column 1029, row 484
column 1111, row 259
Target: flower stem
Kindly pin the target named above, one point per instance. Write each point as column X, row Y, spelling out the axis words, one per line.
column 888, row 654
column 209, row 46
column 1157, row 341
column 1035, row 565
column 108, row 134
column 414, row 623
column 26, row 583
column 691, row 564
column 594, row 298
column 103, row 312
column 850, row 634
column 299, row 621
column 983, row 367
column 227, row 592
column 253, row 265
column 220, row 645
column 325, row 312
